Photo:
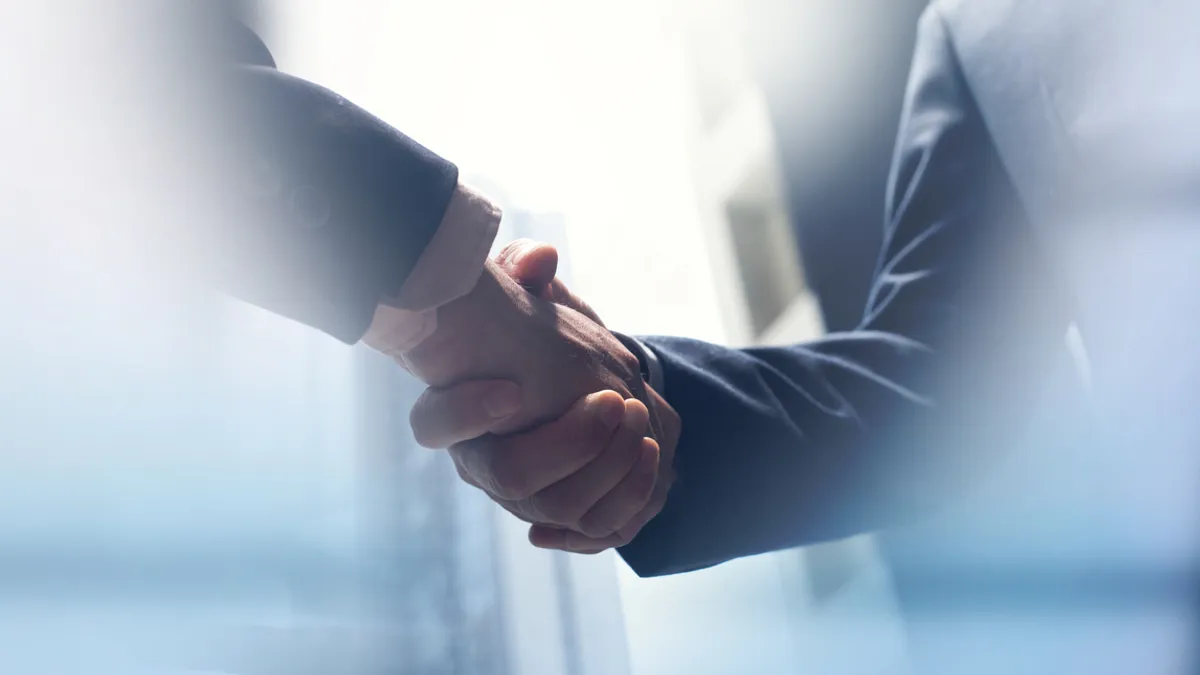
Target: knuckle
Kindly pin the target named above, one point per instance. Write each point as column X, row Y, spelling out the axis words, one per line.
column 505, row 482
column 559, row 509
column 599, row 523
column 596, row 527
column 606, row 523
column 522, row 512
column 590, row 441
column 463, row 474
column 544, row 511
column 518, row 511
column 472, row 464
column 436, row 360
column 423, row 428
column 419, row 357
column 611, row 520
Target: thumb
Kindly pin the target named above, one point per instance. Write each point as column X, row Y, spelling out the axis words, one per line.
column 559, row 294
column 533, row 265
column 530, row 263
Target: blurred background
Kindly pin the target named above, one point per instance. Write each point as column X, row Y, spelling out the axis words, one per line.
column 709, row 168
column 729, row 160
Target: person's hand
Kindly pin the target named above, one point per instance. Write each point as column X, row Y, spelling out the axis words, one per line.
column 553, row 354
column 579, row 540
column 534, row 265
column 572, row 478
column 580, row 481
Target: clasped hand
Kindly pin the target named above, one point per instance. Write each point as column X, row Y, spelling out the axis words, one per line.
column 542, row 408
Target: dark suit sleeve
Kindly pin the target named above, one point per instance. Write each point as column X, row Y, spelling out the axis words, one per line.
column 868, row 429
column 325, row 208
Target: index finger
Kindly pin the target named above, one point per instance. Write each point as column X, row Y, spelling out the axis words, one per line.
column 444, row 416
column 513, row 468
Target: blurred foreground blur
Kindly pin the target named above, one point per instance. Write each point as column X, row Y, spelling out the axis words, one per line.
column 188, row 484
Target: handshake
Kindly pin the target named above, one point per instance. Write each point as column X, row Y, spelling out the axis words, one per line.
column 540, row 406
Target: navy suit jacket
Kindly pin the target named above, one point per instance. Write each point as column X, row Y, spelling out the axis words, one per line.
column 327, row 208
column 1044, row 177
column 879, row 426
column 1013, row 118
column 780, row 446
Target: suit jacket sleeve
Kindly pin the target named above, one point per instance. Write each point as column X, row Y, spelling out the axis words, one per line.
column 326, row 210
column 863, row 430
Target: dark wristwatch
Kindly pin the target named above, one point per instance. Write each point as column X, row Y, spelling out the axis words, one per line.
column 647, row 360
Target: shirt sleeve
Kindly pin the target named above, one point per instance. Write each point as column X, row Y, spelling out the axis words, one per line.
column 328, row 213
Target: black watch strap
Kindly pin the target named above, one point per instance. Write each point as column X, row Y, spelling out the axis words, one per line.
column 647, row 360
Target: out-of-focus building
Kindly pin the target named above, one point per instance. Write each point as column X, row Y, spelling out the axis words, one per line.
column 656, row 138
column 261, row 480
column 575, row 598
column 793, row 116
column 739, row 188
column 444, row 569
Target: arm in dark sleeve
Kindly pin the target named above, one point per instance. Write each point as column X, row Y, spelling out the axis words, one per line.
column 328, row 210
column 863, row 430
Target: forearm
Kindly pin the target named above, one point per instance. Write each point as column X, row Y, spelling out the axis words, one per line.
column 328, row 215
column 864, row 430
column 449, row 267
column 500, row 331
column 857, row 432
column 784, row 447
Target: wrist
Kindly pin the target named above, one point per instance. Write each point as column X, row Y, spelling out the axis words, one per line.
column 668, row 427
column 648, row 363
column 453, row 261
column 449, row 267
column 664, row 421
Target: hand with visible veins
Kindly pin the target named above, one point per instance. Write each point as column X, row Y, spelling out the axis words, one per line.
column 586, row 481
column 551, row 354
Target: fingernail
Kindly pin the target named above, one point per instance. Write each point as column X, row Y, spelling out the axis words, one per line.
column 648, row 459
column 525, row 248
column 503, row 400
column 634, row 418
column 514, row 251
